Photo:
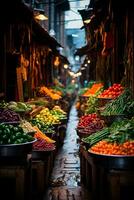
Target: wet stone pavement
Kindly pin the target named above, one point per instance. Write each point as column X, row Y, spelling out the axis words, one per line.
column 65, row 177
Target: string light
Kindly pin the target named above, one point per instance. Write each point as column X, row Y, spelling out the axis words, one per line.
column 65, row 66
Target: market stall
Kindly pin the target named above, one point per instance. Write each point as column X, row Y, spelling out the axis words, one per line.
column 107, row 143
column 31, row 134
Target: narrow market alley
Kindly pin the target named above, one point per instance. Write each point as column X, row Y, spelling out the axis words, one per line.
column 65, row 177
column 67, row 100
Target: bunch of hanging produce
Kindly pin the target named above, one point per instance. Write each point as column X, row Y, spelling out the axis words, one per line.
column 118, row 139
column 122, row 105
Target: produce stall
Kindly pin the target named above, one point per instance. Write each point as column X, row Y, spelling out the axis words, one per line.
column 87, row 98
column 107, row 176
column 15, row 162
column 107, row 144
column 31, row 134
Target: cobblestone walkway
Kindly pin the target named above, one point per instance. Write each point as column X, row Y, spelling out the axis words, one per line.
column 65, row 178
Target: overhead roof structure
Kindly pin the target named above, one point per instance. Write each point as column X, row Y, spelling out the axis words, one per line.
column 43, row 37
column 86, row 13
column 20, row 12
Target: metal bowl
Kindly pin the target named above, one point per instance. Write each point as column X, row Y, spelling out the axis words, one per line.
column 16, row 150
column 121, row 162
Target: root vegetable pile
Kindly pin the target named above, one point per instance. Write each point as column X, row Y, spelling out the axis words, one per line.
column 43, row 145
column 105, row 147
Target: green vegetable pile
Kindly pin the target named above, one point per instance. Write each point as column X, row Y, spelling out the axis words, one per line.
column 122, row 105
column 13, row 134
column 58, row 112
column 119, row 131
column 92, row 105
column 97, row 136
column 46, row 128
column 19, row 106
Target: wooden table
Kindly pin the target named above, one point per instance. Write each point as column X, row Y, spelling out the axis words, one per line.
column 18, row 170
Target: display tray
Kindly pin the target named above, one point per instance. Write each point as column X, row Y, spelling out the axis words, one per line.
column 16, row 150
column 121, row 162
column 41, row 154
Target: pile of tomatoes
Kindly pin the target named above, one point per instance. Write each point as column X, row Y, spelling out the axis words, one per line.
column 112, row 92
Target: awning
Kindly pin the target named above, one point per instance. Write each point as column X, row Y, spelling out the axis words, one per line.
column 18, row 13
column 43, row 37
